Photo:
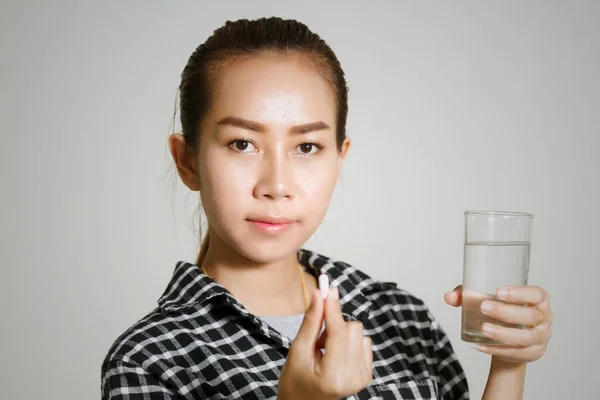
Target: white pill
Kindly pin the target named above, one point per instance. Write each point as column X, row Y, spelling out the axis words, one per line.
column 324, row 285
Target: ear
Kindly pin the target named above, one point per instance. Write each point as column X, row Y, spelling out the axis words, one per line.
column 185, row 161
column 342, row 154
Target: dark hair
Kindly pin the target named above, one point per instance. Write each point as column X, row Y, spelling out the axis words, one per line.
column 244, row 38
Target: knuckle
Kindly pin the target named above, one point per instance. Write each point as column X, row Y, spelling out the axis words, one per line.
column 334, row 388
column 296, row 348
column 534, row 316
column 541, row 293
column 502, row 310
column 355, row 327
column 299, row 350
column 355, row 323
column 548, row 336
column 529, row 340
column 365, row 377
column 540, row 351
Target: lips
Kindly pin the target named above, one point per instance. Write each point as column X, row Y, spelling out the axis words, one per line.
column 271, row 220
column 271, row 225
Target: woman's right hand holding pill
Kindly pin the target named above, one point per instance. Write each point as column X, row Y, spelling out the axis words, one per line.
column 347, row 365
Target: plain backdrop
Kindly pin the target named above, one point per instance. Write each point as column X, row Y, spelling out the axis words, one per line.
column 453, row 106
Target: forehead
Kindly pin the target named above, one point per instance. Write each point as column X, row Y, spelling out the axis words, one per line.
column 274, row 88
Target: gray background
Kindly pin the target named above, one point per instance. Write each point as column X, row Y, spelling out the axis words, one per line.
column 453, row 106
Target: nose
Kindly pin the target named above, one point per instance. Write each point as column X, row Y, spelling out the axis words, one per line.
column 275, row 181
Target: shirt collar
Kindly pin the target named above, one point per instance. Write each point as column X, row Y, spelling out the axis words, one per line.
column 189, row 286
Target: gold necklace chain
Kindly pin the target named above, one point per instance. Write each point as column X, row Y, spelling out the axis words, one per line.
column 306, row 299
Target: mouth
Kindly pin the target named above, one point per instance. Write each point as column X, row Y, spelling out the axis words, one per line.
column 271, row 225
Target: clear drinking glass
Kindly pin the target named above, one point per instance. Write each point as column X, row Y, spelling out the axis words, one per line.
column 496, row 253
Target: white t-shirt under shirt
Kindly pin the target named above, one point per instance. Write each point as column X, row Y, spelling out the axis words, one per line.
column 288, row 325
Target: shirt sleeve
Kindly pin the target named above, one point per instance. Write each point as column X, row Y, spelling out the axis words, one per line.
column 452, row 381
column 122, row 380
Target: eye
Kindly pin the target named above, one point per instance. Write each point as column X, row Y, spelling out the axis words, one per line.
column 308, row 148
column 243, row 146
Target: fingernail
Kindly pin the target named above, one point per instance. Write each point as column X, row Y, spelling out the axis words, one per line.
column 478, row 348
column 324, row 285
column 502, row 293
column 487, row 328
column 486, row 307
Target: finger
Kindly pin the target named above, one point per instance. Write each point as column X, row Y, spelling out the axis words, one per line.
column 512, row 336
column 355, row 330
column 511, row 313
column 528, row 294
column 354, row 346
column 368, row 348
column 514, row 353
column 454, row 297
column 547, row 315
column 334, row 320
column 312, row 323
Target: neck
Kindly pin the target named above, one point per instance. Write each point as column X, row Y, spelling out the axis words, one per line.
column 265, row 289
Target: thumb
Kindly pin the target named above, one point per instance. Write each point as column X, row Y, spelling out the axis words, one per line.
column 311, row 325
column 454, row 297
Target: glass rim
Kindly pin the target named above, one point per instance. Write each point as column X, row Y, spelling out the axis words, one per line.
column 499, row 213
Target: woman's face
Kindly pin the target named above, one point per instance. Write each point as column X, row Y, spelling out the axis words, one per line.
column 268, row 161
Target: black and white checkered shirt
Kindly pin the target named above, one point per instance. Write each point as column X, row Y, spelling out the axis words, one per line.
column 201, row 343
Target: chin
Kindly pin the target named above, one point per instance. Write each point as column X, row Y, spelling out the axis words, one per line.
column 264, row 248
column 269, row 251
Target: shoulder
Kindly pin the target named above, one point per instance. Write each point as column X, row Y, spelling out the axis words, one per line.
column 133, row 346
column 135, row 365
column 179, row 307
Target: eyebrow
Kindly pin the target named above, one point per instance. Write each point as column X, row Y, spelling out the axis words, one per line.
column 258, row 127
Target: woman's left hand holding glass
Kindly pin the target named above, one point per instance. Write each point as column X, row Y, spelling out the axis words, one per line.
column 521, row 345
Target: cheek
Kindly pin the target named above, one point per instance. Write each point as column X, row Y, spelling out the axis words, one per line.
column 224, row 184
column 317, row 184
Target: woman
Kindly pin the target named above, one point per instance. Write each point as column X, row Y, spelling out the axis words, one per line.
column 263, row 112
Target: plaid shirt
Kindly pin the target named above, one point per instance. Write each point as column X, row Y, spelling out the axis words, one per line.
column 201, row 343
